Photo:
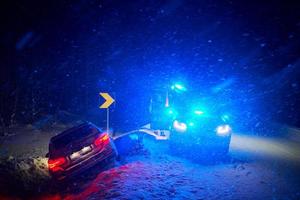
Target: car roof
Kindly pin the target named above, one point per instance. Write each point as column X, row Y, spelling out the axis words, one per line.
column 70, row 130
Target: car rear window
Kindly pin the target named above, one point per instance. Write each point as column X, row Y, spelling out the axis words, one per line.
column 74, row 135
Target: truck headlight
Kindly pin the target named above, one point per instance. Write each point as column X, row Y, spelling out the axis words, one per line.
column 179, row 126
column 223, row 130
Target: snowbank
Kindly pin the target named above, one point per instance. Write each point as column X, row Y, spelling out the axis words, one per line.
column 24, row 177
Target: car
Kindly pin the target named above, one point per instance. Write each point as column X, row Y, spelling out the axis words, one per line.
column 77, row 149
column 196, row 122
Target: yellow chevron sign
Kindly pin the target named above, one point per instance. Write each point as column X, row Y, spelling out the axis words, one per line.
column 108, row 100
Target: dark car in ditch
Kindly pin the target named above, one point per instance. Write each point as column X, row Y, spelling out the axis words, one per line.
column 77, row 149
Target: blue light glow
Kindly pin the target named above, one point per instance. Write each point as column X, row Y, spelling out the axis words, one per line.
column 225, row 118
column 133, row 136
column 223, row 130
column 178, row 87
column 198, row 112
column 179, row 126
column 170, row 111
column 191, row 124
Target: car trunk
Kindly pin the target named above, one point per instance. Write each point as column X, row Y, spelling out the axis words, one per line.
column 73, row 141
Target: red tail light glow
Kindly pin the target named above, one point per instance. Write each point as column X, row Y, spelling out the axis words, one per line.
column 102, row 140
column 55, row 165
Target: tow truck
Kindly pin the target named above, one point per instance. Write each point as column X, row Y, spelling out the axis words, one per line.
column 190, row 122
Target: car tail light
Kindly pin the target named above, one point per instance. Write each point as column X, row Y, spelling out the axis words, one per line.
column 102, row 140
column 55, row 164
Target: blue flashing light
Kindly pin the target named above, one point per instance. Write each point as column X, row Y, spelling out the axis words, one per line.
column 178, row 87
column 198, row 112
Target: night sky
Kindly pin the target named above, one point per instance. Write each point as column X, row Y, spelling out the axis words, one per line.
column 57, row 55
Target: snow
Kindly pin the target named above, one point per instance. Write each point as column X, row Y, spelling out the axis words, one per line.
column 16, row 145
column 257, row 167
column 167, row 177
column 127, row 48
column 23, row 177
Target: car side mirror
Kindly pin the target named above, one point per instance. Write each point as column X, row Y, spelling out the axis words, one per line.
column 47, row 155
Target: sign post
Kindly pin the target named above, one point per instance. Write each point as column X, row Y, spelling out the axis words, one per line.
column 107, row 120
column 108, row 101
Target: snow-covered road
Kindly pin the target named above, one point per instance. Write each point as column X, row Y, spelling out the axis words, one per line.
column 256, row 168
column 172, row 178
column 157, row 175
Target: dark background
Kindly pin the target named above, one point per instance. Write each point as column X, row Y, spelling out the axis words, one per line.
column 58, row 55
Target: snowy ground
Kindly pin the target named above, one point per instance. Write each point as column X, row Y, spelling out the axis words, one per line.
column 256, row 168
